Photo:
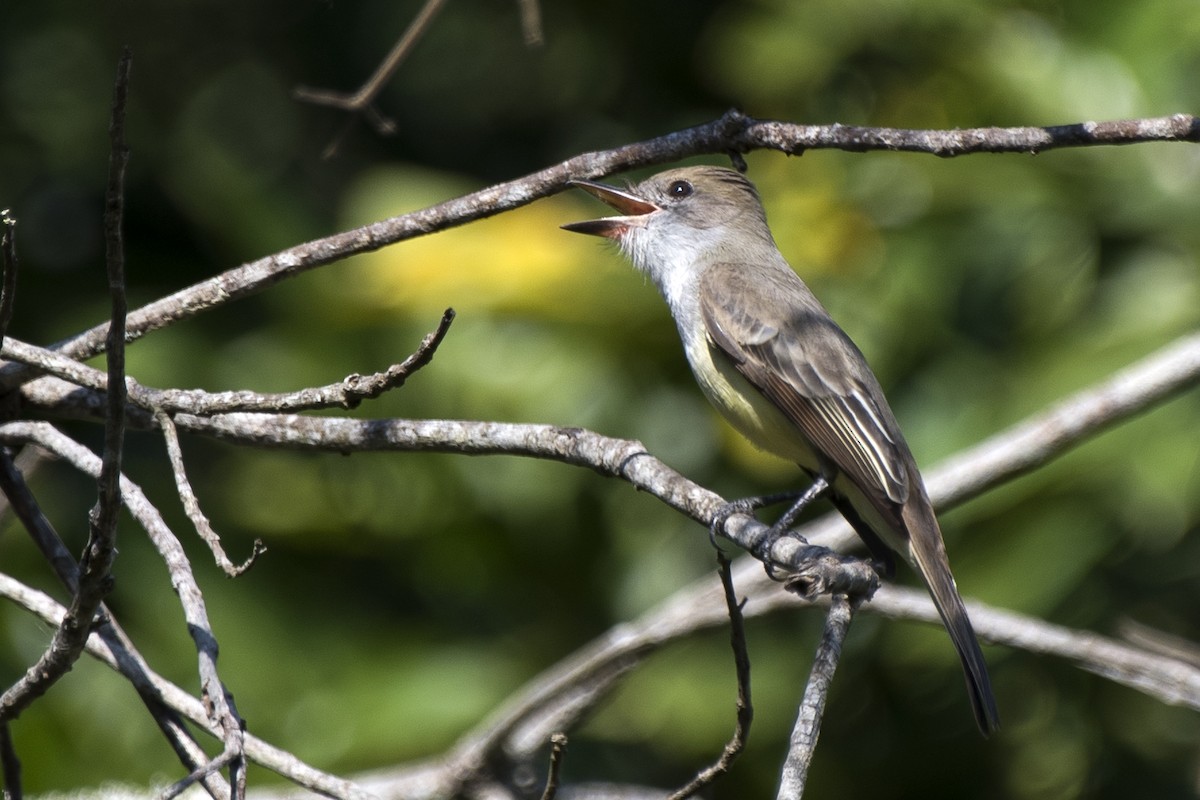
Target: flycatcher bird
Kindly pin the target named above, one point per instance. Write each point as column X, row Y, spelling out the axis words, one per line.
column 776, row 365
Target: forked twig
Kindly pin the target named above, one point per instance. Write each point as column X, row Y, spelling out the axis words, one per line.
column 361, row 100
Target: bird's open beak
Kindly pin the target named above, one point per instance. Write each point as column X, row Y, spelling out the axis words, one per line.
column 634, row 207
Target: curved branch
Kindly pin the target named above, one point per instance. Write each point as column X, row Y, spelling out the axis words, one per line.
column 346, row 393
column 1004, row 456
column 733, row 132
column 113, row 654
column 182, row 579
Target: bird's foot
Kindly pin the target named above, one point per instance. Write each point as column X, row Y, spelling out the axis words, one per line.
column 747, row 505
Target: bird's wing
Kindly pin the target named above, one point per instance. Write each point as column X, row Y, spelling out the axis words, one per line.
column 785, row 344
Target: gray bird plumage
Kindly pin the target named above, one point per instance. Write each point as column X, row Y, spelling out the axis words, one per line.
column 772, row 360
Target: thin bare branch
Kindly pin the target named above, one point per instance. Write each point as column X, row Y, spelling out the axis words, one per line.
column 1022, row 448
column 795, row 139
column 9, row 263
column 262, row 753
column 745, row 709
column 360, row 102
column 172, row 553
column 812, row 709
column 346, row 393
column 558, row 747
column 94, row 575
column 1169, row 679
column 191, row 504
column 368, row 91
column 733, row 132
column 103, row 518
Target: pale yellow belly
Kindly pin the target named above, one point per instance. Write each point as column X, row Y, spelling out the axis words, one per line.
column 750, row 413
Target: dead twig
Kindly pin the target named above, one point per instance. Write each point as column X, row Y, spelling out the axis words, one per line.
column 812, row 708
column 558, row 747
column 9, row 263
column 191, row 505
column 346, row 393
column 733, row 132
column 745, row 709
column 94, row 576
column 361, row 100
column 127, row 660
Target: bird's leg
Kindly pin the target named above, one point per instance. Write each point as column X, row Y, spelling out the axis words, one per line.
column 747, row 505
column 762, row 550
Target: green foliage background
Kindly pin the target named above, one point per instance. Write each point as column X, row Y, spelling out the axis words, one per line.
column 405, row 595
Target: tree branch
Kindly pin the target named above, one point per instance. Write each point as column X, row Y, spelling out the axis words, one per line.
column 812, row 708
column 191, row 504
column 347, row 393
column 129, row 661
column 262, row 753
column 366, row 94
column 745, row 709
column 8, row 262
column 182, row 579
column 94, row 578
column 733, row 132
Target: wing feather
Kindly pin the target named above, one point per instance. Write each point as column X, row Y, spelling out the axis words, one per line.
column 793, row 352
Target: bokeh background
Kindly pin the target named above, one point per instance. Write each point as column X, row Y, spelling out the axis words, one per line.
column 405, row 595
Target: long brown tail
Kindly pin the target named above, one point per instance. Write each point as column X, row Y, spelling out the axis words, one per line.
column 928, row 555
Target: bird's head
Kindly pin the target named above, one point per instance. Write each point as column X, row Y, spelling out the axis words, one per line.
column 681, row 217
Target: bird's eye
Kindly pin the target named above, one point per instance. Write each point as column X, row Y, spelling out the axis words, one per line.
column 680, row 189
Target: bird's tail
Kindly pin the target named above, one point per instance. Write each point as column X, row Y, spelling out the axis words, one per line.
column 928, row 554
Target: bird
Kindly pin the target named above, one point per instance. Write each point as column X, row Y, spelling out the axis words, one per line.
column 773, row 362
